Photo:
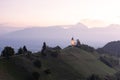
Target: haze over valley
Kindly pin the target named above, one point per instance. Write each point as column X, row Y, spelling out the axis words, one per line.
column 33, row 37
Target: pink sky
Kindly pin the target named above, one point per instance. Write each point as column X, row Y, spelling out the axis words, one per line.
column 59, row 12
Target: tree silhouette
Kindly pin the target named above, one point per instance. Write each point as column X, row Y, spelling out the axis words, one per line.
column 87, row 48
column 8, row 51
column 20, row 51
column 25, row 49
column 47, row 71
column 78, row 43
column 44, row 46
column 43, row 49
column 94, row 77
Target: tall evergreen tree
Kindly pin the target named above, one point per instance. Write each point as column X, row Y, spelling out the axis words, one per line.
column 43, row 49
column 44, row 46
column 25, row 49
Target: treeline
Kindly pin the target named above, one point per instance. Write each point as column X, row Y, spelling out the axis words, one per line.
column 52, row 51
column 46, row 50
column 9, row 51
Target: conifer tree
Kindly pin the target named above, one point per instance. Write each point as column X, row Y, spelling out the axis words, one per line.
column 43, row 49
column 25, row 49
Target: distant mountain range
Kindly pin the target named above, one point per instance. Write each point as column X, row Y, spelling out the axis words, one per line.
column 60, row 35
column 7, row 29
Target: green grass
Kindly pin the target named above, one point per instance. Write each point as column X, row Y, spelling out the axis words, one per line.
column 10, row 71
column 85, row 63
column 72, row 64
column 61, row 70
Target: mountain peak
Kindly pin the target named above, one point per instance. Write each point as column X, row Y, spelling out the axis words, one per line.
column 81, row 24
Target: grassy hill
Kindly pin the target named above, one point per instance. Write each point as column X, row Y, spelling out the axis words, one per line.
column 85, row 63
column 71, row 64
column 111, row 48
column 9, row 71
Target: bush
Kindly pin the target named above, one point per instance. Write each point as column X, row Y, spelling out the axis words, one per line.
column 111, row 62
column 23, row 51
column 8, row 51
column 37, row 63
column 20, row 51
column 54, row 54
column 105, row 61
column 36, row 75
column 94, row 77
column 86, row 48
column 47, row 71
column 53, row 51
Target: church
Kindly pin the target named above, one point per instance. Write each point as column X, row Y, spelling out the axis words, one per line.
column 73, row 43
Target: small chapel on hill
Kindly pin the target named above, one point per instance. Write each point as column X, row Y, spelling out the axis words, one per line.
column 75, row 43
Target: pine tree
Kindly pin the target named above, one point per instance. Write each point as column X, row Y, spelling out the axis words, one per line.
column 44, row 46
column 25, row 49
column 43, row 49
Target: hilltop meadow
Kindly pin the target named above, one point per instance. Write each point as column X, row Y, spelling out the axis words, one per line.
column 80, row 62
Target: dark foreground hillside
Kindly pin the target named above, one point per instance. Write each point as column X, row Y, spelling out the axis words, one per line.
column 70, row 64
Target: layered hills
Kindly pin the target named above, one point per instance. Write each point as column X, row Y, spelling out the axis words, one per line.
column 72, row 63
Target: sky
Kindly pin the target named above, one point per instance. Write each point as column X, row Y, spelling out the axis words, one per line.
column 93, row 13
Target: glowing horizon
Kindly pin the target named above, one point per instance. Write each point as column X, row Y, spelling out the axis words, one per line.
column 59, row 12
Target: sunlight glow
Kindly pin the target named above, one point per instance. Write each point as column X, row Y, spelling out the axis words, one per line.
column 59, row 12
